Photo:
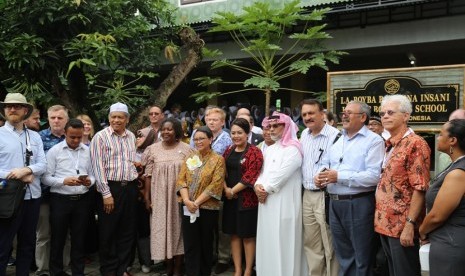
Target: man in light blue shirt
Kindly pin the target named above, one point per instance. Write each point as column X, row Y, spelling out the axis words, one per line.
column 21, row 157
column 353, row 169
column 69, row 175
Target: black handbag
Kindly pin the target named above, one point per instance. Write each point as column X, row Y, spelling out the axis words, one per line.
column 12, row 193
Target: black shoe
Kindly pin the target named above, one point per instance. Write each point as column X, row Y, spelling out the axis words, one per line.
column 220, row 268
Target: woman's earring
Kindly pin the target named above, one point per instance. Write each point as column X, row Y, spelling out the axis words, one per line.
column 451, row 150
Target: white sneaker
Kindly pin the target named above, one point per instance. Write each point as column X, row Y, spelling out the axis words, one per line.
column 145, row 268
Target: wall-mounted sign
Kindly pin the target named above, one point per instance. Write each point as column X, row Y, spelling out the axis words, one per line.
column 432, row 104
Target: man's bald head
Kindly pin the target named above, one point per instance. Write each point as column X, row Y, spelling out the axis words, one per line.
column 243, row 111
column 457, row 114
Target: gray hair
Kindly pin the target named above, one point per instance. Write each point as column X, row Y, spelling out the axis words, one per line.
column 364, row 108
column 58, row 107
column 404, row 103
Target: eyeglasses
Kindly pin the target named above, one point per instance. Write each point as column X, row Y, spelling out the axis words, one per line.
column 196, row 140
column 275, row 125
column 154, row 114
column 15, row 106
column 347, row 114
column 389, row 113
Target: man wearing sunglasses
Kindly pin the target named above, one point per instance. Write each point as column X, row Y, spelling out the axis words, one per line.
column 279, row 191
column 354, row 166
column 156, row 116
column 400, row 197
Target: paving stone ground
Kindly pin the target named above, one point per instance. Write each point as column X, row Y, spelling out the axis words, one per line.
column 92, row 269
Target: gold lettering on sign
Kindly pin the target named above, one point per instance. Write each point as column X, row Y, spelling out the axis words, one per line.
column 444, row 97
column 430, row 108
column 420, row 118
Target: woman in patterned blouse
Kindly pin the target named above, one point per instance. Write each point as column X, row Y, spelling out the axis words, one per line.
column 200, row 186
column 243, row 164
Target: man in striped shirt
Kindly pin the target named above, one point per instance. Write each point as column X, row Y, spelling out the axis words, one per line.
column 316, row 139
column 113, row 154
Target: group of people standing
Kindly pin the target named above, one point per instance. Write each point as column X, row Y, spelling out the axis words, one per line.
column 317, row 205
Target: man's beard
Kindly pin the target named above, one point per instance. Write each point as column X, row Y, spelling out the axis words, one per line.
column 15, row 118
column 275, row 137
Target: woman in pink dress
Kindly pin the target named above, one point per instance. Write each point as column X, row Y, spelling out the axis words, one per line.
column 163, row 161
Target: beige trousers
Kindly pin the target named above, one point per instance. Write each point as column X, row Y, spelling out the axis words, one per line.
column 318, row 244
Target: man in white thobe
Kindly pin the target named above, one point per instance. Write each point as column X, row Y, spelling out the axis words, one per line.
column 279, row 230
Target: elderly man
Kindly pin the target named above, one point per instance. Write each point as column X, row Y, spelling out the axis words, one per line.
column 21, row 157
column 279, row 190
column 316, row 139
column 113, row 154
column 57, row 119
column 400, row 197
column 351, row 172
column 245, row 111
column 69, row 176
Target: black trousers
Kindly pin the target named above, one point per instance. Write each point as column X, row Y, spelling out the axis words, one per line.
column 198, row 242
column 117, row 230
column 142, row 241
column 68, row 213
column 401, row 260
column 24, row 225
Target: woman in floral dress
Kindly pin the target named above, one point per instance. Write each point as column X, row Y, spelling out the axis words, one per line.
column 163, row 162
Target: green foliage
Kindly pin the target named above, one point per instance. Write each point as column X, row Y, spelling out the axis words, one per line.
column 264, row 33
column 262, row 83
column 123, row 88
column 55, row 49
column 204, row 96
column 207, row 81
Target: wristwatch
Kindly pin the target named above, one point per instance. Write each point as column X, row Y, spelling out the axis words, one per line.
column 411, row 221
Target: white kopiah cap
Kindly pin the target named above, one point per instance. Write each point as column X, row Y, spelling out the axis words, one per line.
column 121, row 107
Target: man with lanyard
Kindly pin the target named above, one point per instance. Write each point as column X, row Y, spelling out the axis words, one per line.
column 21, row 157
column 113, row 154
column 354, row 167
column 69, row 176
column 400, row 197
column 316, row 139
column 57, row 119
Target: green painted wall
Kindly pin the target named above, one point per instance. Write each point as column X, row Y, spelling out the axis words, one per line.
column 202, row 12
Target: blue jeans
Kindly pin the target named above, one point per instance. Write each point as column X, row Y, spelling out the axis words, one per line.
column 352, row 225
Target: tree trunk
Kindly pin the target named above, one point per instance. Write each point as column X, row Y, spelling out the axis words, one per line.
column 193, row 46
column 267, row 102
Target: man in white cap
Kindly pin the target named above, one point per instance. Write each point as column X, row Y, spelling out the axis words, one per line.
column 113, row 153
column 21, row 157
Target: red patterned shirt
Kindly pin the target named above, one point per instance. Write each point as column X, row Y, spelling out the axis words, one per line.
column 250, row 168
column 406, row 169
